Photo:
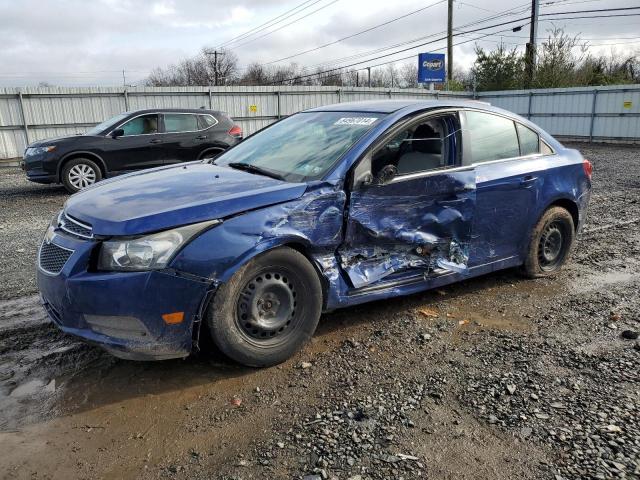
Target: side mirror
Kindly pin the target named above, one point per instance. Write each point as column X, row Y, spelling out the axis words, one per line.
column 386, row 174
column 118, row 132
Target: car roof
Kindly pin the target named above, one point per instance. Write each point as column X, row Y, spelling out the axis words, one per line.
column 390, row 106
column 176, row 110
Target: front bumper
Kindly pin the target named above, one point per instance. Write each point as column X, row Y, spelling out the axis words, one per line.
column 122, row 311
column 40, row 168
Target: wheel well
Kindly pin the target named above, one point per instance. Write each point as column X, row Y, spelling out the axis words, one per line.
column 88, row 156
column 301, row 248
column 569, row 206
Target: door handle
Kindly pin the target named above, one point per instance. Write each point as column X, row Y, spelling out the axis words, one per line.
column 156, row 140
column 528, row 180
column 201, row 137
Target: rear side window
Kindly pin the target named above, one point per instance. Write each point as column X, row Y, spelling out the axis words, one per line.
column 207, row 121
column 490, row 137
column 180, row 123
column 529, row 140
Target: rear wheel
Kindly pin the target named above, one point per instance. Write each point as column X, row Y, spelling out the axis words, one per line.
column 80, row 173
column 268, row 309
column 550, row 243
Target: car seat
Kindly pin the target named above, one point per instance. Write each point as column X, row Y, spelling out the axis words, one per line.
column 425, row 152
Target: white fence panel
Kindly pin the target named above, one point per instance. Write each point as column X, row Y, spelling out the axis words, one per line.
column 30, row 114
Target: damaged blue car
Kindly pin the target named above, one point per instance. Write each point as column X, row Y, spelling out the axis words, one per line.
column 324, row 209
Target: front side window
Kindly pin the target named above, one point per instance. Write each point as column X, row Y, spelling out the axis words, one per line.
column 529, row 140
column 107, row 124
column 301, row 147
column 423, row 146
column 174, row 123
column 490, row 137
column 142, row 125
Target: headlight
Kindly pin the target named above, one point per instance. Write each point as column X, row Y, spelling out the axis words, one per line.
column 53, row 224
column 150, row 252
column 39, row 150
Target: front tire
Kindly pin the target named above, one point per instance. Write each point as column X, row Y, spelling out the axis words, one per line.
column 80, row 173
column 550, row 243
column 267, row 310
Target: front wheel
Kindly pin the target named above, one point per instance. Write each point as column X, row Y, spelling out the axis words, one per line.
column 550, row 243
column 267, row 310
column 80, row 173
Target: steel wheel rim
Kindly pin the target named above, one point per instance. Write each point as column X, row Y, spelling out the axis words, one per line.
column 551, row 246
column 266, row 308
column 81, row 176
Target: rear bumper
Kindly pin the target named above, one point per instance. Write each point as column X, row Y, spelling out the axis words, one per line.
column 122, row 312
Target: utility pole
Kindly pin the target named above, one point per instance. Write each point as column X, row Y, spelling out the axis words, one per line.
column 215, row 54
column 369, row 76
column 531, row 46
column 124, row 79
column 449, row 41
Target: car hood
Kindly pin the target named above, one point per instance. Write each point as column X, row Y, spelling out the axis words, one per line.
column 172, row 196
column 54, row 141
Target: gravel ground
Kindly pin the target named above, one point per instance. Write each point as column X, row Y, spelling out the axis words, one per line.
column 494, row 378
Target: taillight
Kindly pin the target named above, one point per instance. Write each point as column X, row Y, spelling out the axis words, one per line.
column 236, row 131
column 588, row 168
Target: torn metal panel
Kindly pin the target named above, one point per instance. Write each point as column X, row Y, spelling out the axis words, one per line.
column 315, row 220
column 421, row 223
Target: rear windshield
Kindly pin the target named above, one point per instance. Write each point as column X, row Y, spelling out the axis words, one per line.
column 304, row 146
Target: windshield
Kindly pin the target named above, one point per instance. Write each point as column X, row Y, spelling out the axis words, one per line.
column 101, row 127
column 301, row 147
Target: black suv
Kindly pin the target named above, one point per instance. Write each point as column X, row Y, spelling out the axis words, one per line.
column 130, row 141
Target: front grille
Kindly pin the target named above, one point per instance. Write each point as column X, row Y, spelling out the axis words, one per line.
column 75, row 227
column 53, row 257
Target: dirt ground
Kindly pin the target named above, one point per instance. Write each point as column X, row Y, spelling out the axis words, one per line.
column 494, row 378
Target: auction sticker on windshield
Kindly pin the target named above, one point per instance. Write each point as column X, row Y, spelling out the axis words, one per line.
column 355, row 121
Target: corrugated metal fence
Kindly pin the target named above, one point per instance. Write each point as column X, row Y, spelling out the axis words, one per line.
column 30, row 114
column 586, row 113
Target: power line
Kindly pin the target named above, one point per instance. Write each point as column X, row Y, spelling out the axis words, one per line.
column 431, row 42
column 286, row 25
column 355, row 34
column 598, row 10
column 269, row 23
column 504, row 13
column 400, row 51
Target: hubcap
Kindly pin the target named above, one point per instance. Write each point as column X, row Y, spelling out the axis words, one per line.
column 551, row 246
column 267, row 306
column 81, row 176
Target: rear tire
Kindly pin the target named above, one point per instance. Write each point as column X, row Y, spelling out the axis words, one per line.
column 267, row 310
column 550, row 243
column 80, row 173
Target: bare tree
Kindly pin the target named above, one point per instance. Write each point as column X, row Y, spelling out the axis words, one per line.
column 199, row 70
column 408, row 75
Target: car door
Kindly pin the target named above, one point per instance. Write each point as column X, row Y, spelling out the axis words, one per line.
column 184, row 138
column 507, row 184
column 411, row 206
column 139, row 147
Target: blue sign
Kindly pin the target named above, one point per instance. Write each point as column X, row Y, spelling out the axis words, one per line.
column 430, row 67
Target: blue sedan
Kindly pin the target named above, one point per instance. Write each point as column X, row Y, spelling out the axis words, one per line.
column 325, row 209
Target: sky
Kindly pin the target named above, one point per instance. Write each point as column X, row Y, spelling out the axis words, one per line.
column 90, row 42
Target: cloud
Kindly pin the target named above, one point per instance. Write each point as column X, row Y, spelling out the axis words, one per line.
column 78, row 42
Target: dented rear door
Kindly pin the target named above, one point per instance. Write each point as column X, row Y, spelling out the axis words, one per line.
column 415, row 225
